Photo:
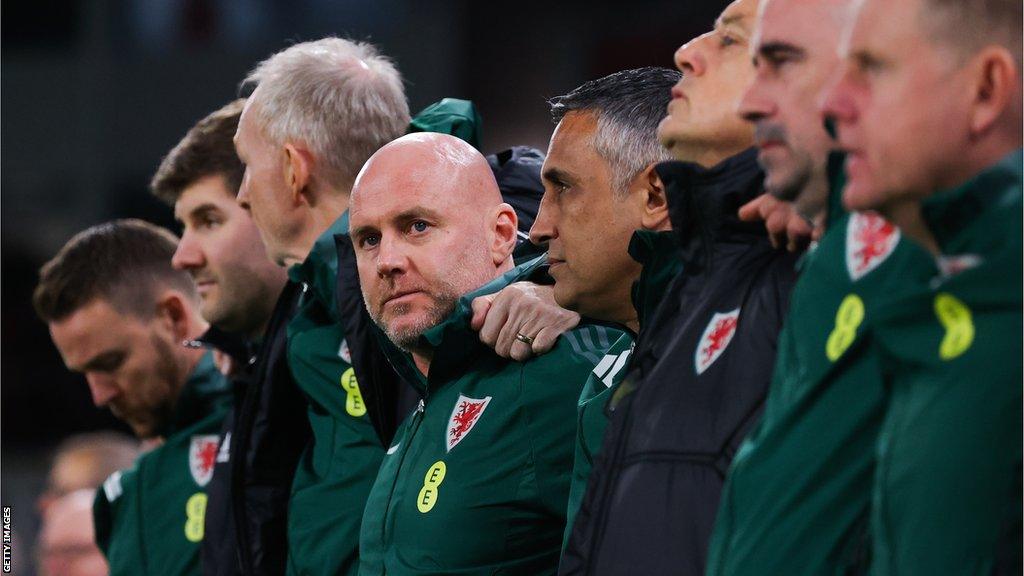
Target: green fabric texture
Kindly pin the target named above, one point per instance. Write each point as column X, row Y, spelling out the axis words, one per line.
column 798, row 494
column 150, row 518
column 450, row 116
column 336, row 472
column 477, row 479
column 658, row 254
column 947, row 496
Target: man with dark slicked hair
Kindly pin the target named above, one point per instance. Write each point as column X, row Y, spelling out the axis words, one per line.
column 928, row 107
column 604, row 221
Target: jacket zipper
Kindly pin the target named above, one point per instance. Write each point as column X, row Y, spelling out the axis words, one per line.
column 414, row 426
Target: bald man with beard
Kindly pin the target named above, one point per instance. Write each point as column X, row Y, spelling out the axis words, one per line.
column 477, row 477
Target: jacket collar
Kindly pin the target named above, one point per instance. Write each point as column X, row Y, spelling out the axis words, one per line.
column 205, row 390
column 455, row 344
column 703, row 204
column 658, row 254
column 836, row 170
column 239, row 348
column 320, row 269
column 949, row 212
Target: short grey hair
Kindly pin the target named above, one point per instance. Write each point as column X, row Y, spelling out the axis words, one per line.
column 629, row 105
column 341, row 99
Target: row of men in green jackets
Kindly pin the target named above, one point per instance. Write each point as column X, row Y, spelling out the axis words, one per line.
column 889, row 440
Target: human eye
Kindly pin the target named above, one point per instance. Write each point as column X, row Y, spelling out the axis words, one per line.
column 108, row 362
column 207, row 222
column 418, row 226
column 368, row 241
column 725, row 40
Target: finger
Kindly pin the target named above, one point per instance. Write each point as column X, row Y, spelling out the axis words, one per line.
column 752, row 211
column 799, row 233
column 776, row 227
column 545, row 340
column 496, row 318
column 480, row 306
column 507, row 336
column 520, row 351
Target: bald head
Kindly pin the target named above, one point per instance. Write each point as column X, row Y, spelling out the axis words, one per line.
column 430, row 163
column 428, row 225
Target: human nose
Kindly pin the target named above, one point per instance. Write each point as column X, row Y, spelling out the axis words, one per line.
column 689, row 57
column 754, row 105
column 391, row 259
column 836, row 102
column 243, row 192
column 102, row 387
column 544, row 229
column 188, row 255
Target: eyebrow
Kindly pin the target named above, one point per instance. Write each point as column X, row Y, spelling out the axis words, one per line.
column 200, row 210
column 729, row 20
column 558, row 176
column 413, row 213
column 98, row 359
column 775, row 49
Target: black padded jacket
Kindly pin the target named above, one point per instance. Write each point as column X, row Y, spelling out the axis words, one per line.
column 697, row 384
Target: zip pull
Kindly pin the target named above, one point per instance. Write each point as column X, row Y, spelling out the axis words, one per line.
column 419, row 408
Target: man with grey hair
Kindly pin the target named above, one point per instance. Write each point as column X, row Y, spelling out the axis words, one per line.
column 319, row 110
column 603, row 219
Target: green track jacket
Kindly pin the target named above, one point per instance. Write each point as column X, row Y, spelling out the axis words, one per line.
column 798, row 494
column 149, row 518
column 336, row 471
column 477, row 479
column 947, row 494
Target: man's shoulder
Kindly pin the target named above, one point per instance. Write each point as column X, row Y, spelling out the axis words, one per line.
column 576, row 352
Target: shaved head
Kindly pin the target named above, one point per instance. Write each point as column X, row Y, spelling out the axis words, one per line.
column 428, row 225
column 430, row 163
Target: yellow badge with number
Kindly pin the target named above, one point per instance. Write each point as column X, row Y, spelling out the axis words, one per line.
column 848, row 319
column 195, row 514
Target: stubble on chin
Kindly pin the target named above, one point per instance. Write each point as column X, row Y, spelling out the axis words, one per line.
column 407, row 337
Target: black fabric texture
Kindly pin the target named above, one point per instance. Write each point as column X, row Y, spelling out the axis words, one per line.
column 653, row 495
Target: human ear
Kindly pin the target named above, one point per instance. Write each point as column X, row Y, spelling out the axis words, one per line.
column 298, row 165
column 173, row 314
column 654, row 214
column 995, row 86
column 504, row 229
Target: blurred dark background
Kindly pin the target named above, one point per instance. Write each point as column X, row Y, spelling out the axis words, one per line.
column 94, row 92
